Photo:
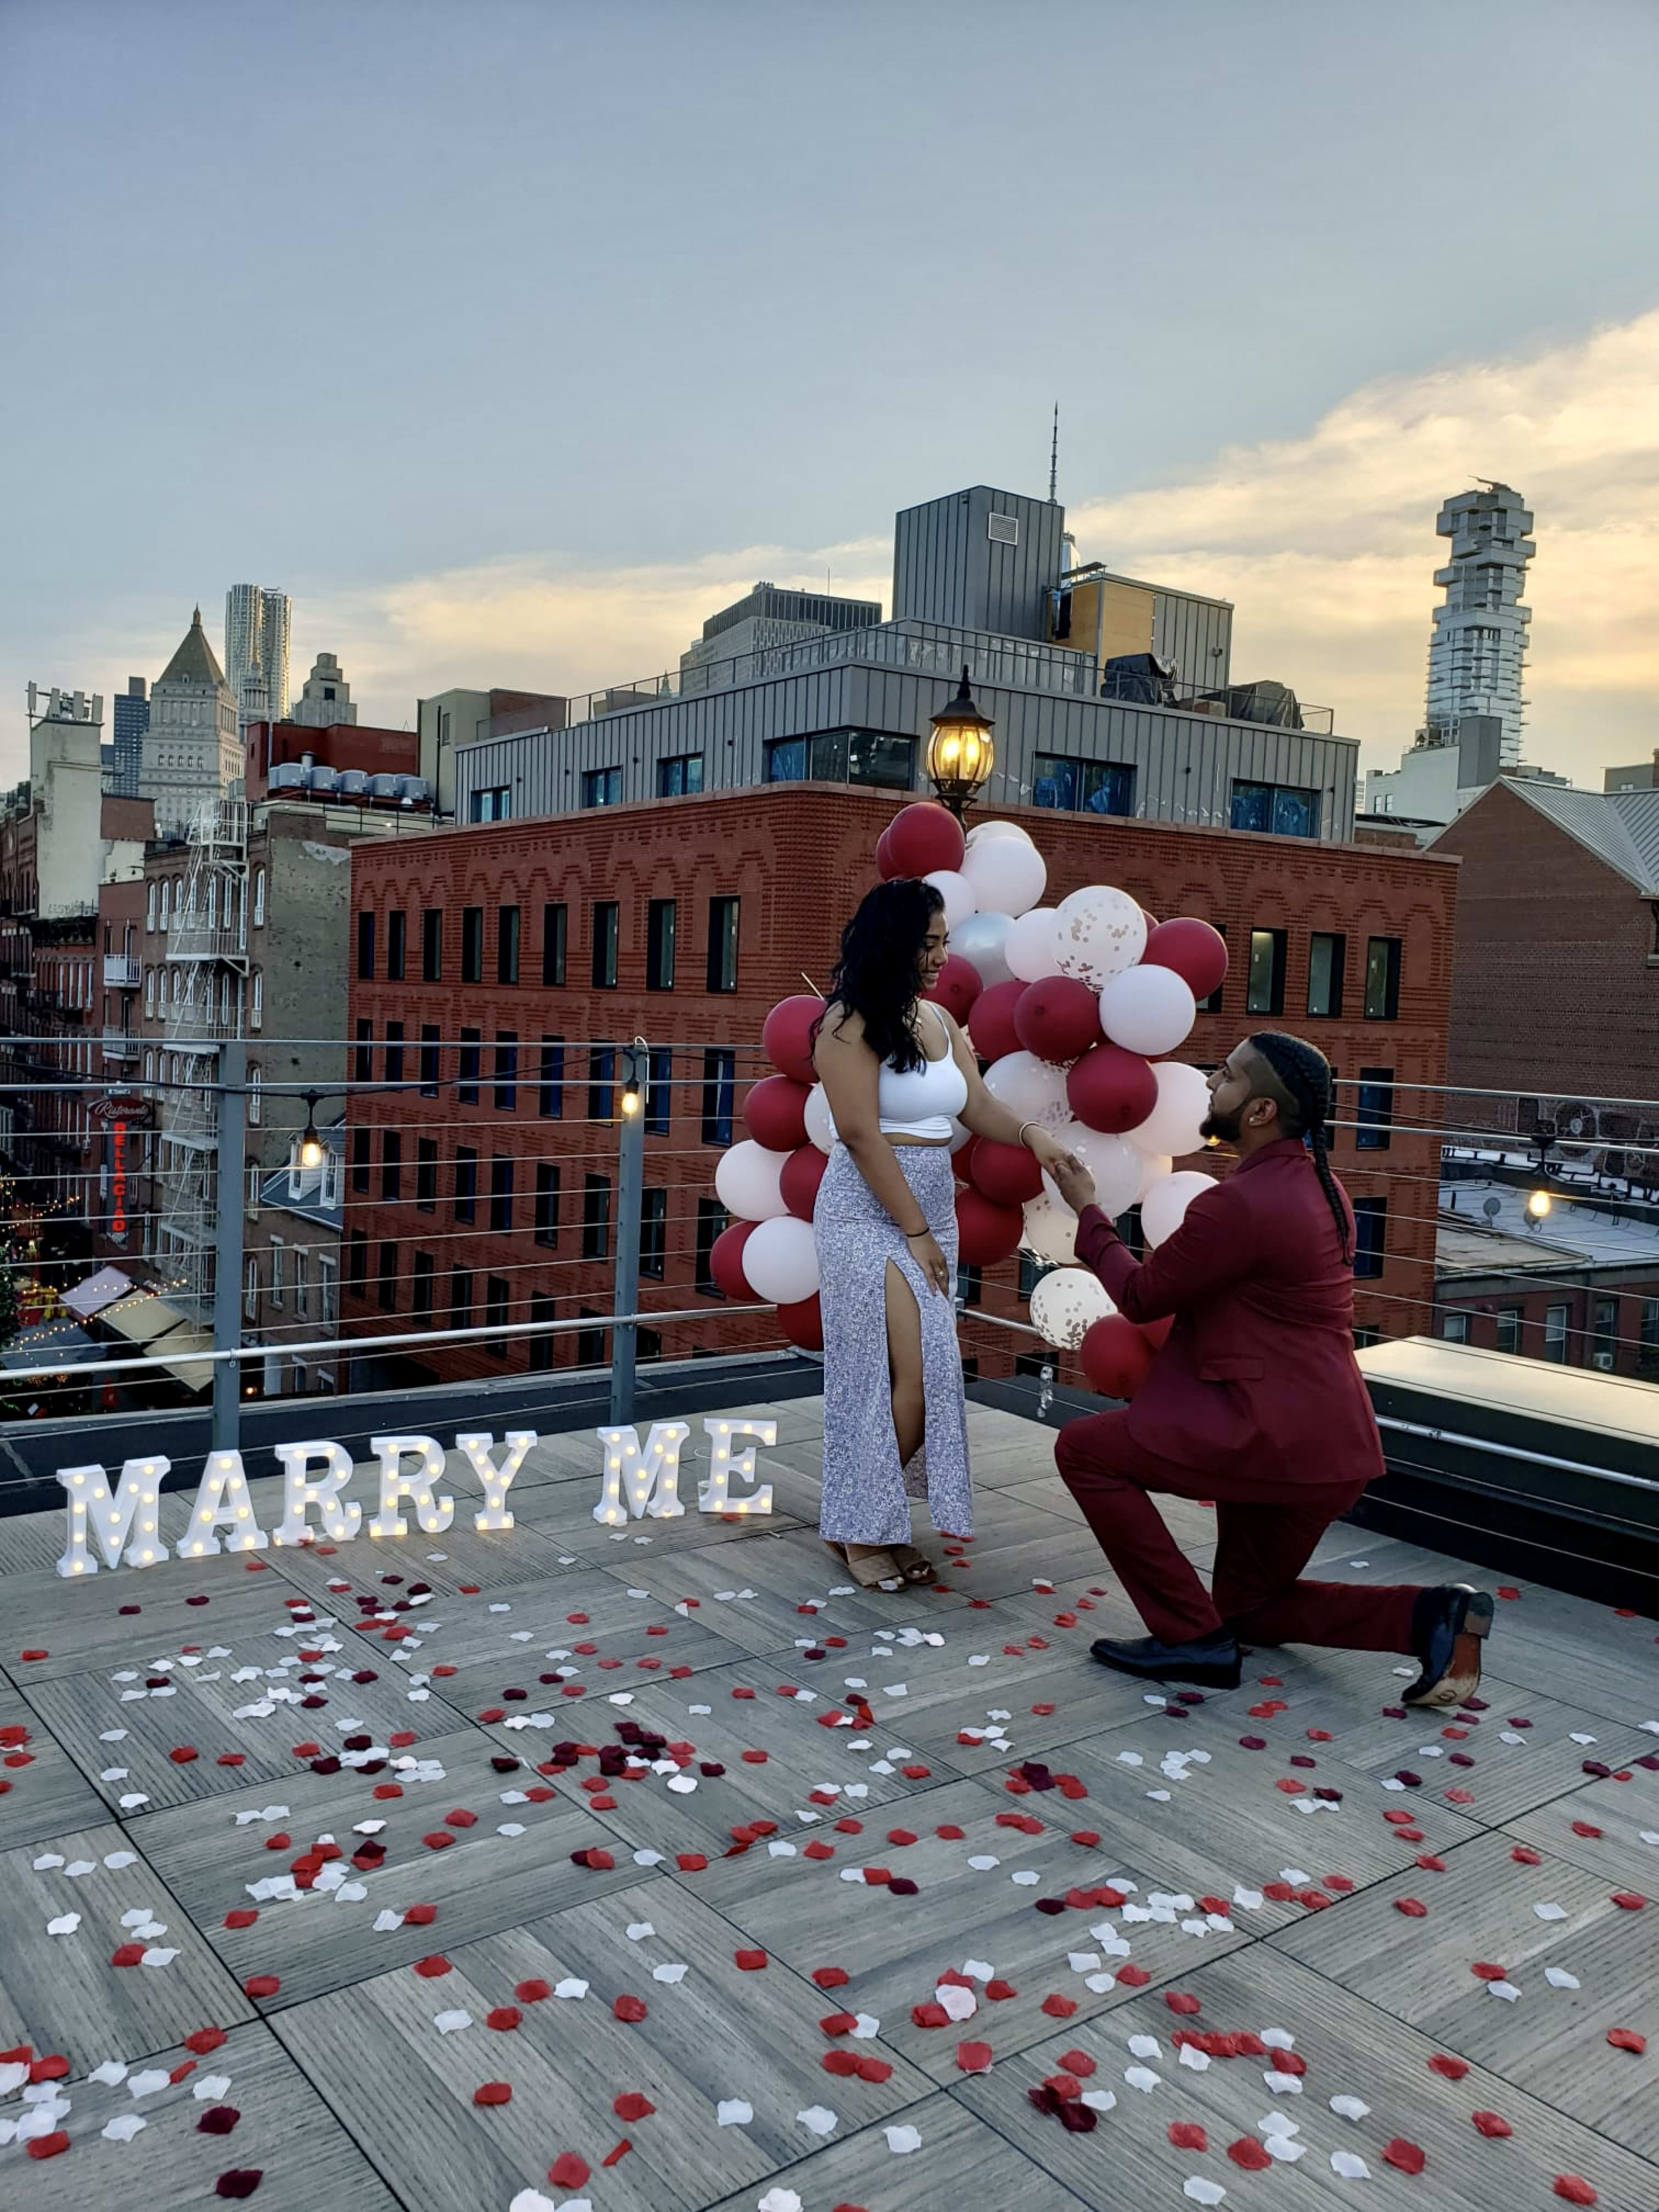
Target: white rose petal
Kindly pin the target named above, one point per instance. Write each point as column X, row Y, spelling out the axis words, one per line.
column 124, row 2127
column 1350, row 2167
column 901, row 2141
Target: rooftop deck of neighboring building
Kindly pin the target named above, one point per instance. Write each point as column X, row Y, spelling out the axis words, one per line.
column 495, row 1977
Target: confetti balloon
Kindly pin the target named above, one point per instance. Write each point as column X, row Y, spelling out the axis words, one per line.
column 1099, row 932
column 1029, row 1087
column 1065, row 1304
column 1050, row 1231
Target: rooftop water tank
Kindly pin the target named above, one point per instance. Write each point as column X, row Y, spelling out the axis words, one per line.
column 384, row 786
column 288, row 776
column 354, row 782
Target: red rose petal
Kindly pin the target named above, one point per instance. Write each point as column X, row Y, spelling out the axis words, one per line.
column 46, row 2146
column 1406, row 2155
column 1132, row 1977
column 630, row 2009
column 1572, row 2187
column 493, row 2093
column 974, row 2057
column 1492, row 2123
column 1627, row 2038
column 220, row 2121
column 750, row 1962
column 831, row 1978
column 262, row 1986
column 502, row 2017
column 1453, row 2068
column 420, row 1916
column 431, row 1968
column 1628, row 1901
column 690, row 1861
column 534, row 1992
column 873, row 2069
column 1059, row 2008
column 204, row 2040
column 1487, row 1972
column 1181, row 2000
column 182, row 1753
column 568, row 2171
column 1250, row 2155
column 1412, row 1907
column 631, row 2106
column 1186, row 2134
column 240, row 2181
column 126, row 1954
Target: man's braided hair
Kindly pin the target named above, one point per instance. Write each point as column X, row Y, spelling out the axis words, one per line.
column 1305, row 1073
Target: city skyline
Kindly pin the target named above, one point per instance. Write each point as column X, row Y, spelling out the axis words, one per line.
column 552, row 498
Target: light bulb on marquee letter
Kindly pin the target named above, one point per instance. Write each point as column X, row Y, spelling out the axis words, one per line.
column 497, row 1480
column 340, row 1523
column 222, row 1502
column 133, row 1512
column 715, row 1495
column 433, row 1514
column 650, row 1480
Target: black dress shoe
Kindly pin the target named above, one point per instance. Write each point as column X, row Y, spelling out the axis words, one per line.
column 1212, row 1660
column 1449, row 1626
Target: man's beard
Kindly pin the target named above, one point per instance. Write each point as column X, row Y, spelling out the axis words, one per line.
column 1223, row 1126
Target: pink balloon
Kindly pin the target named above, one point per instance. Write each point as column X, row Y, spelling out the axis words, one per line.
column 1111, row 1090
column 987, row 1234
column 1197, row 953
column 798, row 1184
column 991, row 1025
column 923, row 837
column 1057, row 1017
column 1006, row 1174
column 956, row 986
column 774, row 1113
column 787, row 1036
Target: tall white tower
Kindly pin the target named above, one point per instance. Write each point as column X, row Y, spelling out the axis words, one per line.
column 1479, row 648
column 257, row 620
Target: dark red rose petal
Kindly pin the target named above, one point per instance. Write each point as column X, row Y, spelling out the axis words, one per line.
column 219, row 2121
column 1406, row 2155
column 1492, row 2123
column 1250, row 2155
column 568, row 2171
column 240, row 2181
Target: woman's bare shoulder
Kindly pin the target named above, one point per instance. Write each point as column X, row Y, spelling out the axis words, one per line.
column 842, row 1025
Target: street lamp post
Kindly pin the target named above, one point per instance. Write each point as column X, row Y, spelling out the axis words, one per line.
column 961, row 752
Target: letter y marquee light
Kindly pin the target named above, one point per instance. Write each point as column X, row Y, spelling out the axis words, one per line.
column 636, row 1482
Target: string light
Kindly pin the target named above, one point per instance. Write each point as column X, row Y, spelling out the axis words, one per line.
column 650, row 1479
column 715, row 1496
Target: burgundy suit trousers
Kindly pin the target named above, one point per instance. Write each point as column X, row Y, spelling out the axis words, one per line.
column 1266, row 1531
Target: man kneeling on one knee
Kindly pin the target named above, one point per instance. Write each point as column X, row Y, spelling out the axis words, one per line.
column 1254, row 1402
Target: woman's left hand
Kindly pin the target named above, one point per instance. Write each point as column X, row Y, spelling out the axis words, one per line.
column 1048, row 1151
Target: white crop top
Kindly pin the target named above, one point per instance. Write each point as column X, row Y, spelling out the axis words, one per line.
column 919, row 1101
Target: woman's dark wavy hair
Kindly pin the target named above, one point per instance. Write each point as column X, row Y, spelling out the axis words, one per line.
column 1305, row 1073
column 878, row 974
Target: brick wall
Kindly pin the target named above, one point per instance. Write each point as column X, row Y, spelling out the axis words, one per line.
column 798, row 860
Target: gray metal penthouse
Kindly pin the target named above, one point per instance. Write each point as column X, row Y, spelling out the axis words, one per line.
column 978, row 583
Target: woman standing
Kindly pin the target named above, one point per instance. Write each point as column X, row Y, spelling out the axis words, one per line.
column 896, row 1070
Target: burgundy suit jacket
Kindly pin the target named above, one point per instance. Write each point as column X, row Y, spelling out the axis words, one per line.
column 1259, row 1369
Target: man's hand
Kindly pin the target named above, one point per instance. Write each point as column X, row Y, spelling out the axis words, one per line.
column 1073, row 1182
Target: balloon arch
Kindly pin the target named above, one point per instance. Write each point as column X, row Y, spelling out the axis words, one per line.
column 1074, row 1008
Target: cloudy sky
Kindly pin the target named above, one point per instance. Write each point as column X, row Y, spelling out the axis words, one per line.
column 510, row 338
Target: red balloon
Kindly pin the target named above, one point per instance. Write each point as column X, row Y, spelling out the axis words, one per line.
column 991, row 1025
column 1156, row 1333
column 1151, row 921
column 1197, row 953
column 962, row 1160
column 986, row 1233
column 774, row 1113
column 1116, row 1357
column 923, row 837
column 726, row 1262
column 787, row 1036
column 803, row 1323
column 1111, row 1089
column 956, row 986
column 1006, row 1174
column 1058, row 1018
column 803, row 1171
column 886, row 866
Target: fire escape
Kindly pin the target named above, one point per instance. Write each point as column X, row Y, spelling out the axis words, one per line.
column 207, row 949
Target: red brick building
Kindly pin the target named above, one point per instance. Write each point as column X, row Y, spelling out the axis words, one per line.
column 271, row 745
column 494, row 970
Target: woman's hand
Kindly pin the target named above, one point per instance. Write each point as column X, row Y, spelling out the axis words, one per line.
column 1048, row 1152
column 925, row 1251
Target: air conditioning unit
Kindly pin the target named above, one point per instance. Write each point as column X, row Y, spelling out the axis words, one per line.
column 1603, row 1360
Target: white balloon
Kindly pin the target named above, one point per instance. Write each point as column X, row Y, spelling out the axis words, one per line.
column 1155, row 1167
column 1050, row 1230
column 820, row 1122
column 1099, row 932
column 1148, row 1010
column 1183, row 1102
column 960, row 900
column 1164, row 1207
column 1117, row 1167
column 983, row 832
column 1007, row 874
column 1032, row 1088
column 780, row 1262
column 1066, row 1305
column 746, row 1181
column 980, row 941
column 1030, row 947
column 960, row 1133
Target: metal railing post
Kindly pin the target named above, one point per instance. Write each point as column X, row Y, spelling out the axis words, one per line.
column 230, row 1171
column 630, row 1184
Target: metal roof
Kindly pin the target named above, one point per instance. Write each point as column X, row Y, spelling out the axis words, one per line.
column 1619, row 827
column 194, row 662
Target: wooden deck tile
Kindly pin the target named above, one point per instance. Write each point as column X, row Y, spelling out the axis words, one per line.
column 35, row 1615
column 60, row 1992
column 488, row 1557
column 1610, row 1828
column 1351, row 2049
column 42, row 1792
column 718, row 2033
column 482, row 1881
column 284, row 2131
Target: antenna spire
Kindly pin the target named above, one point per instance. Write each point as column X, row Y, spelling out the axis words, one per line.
column 1054, row 458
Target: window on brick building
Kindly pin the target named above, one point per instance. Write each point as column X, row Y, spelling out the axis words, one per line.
column 472, row 945
column 356, row 1267
column 659, row 946
column 494, row 1314
column 360, row 1158
column 466, row 1182
column 676, row 777
column 1648, row 1356
column 659, row 1091
column 723, row 914
column 362, row 1069
column 541, row 1345
column 547, row 1203
column 397, row 940
column 471, row 1066
column 591, row 1342
column 431, row 943
column 1454, row 1328
column 602, row 787
column 494, row 804
column 420, row 1292
column 1375, row 1112
column 366, row 944
column 500, row 1194
column 1555, row 1332
column 596, row 1217
column 554, row 931
column 606, row 929
column 1606, row 1332
column 653, row 1233
column 1509, row 1329
column 720, row 1076
column 1370, row 1235
column 1082, row 787
column 391, row 1165
column 864, row 756
column 460, row 1297
column 507, row 1070
column 506, row 945
column 970, row 1284
column 711, row 1222
column 1327, row 953
column 426, row 1174
column 1265, row 991
column 550, row 1088
column 429, row 1071
column 1284, row 810
column 601, row 1083
column 1382, row 979
column 386, row 1281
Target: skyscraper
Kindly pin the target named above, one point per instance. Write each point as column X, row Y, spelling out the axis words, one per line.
column 326, row 699
column 131, row 719
column 257, row 619
column 192, row 754
column 1478, row 648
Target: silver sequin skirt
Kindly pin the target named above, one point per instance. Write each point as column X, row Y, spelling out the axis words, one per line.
column 865, row 1488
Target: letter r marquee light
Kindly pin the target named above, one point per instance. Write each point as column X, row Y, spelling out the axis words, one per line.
column 634, row 1482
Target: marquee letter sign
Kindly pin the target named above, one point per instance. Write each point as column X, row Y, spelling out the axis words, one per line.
column 635, row 1483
